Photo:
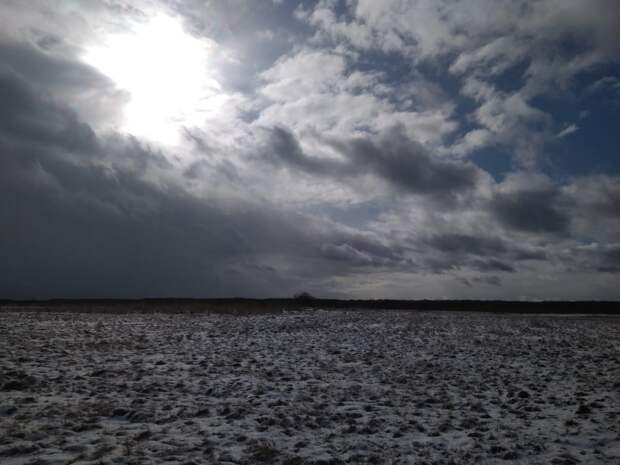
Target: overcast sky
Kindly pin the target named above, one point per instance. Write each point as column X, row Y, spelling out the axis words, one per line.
column 347, row 148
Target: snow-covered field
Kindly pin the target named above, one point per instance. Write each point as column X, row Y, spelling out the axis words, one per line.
column 315, row 387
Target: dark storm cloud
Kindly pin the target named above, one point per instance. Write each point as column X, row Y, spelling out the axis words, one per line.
column 445, row 252
column 440, row 253
column 112, row 234
column 490, row 280
column 26, row 118
column 68, row 80
column 456, row 244
column 347, row 253
column 531, row 254
column 392, row 156
column 598, row 197
column 443, row 263
column 407, row 164
column 595, row 257
column 469, row 244
column 284, row 148
column 360, row 250
column 588, row 206
column 491, row 265
column 41, row 136
column 610, row 262
column 536, row 211
column 54, row 73
column 95, row 226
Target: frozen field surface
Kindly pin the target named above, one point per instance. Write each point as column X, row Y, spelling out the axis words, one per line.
column 314, row 387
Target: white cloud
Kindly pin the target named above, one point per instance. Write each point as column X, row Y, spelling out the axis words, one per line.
column 319, row 91
column 570, row 129
column 554, row 41
column 505, row 119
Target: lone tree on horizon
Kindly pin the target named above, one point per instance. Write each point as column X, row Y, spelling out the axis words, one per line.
column 304, row 296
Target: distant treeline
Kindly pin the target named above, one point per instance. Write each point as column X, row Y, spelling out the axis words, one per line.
column 249, row 306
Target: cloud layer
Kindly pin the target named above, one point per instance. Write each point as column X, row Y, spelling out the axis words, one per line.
column 407, row 149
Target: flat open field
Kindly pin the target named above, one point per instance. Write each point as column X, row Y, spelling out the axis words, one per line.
column 315, row 387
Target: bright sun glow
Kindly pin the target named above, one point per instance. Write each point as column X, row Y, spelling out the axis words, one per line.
column 165, row 72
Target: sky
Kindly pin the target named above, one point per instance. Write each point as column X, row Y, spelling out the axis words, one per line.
column 414, row 149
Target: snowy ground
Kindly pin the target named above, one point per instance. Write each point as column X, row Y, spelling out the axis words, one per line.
column 312, row 387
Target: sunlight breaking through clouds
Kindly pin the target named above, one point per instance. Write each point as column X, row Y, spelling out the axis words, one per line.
column 166, row 72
